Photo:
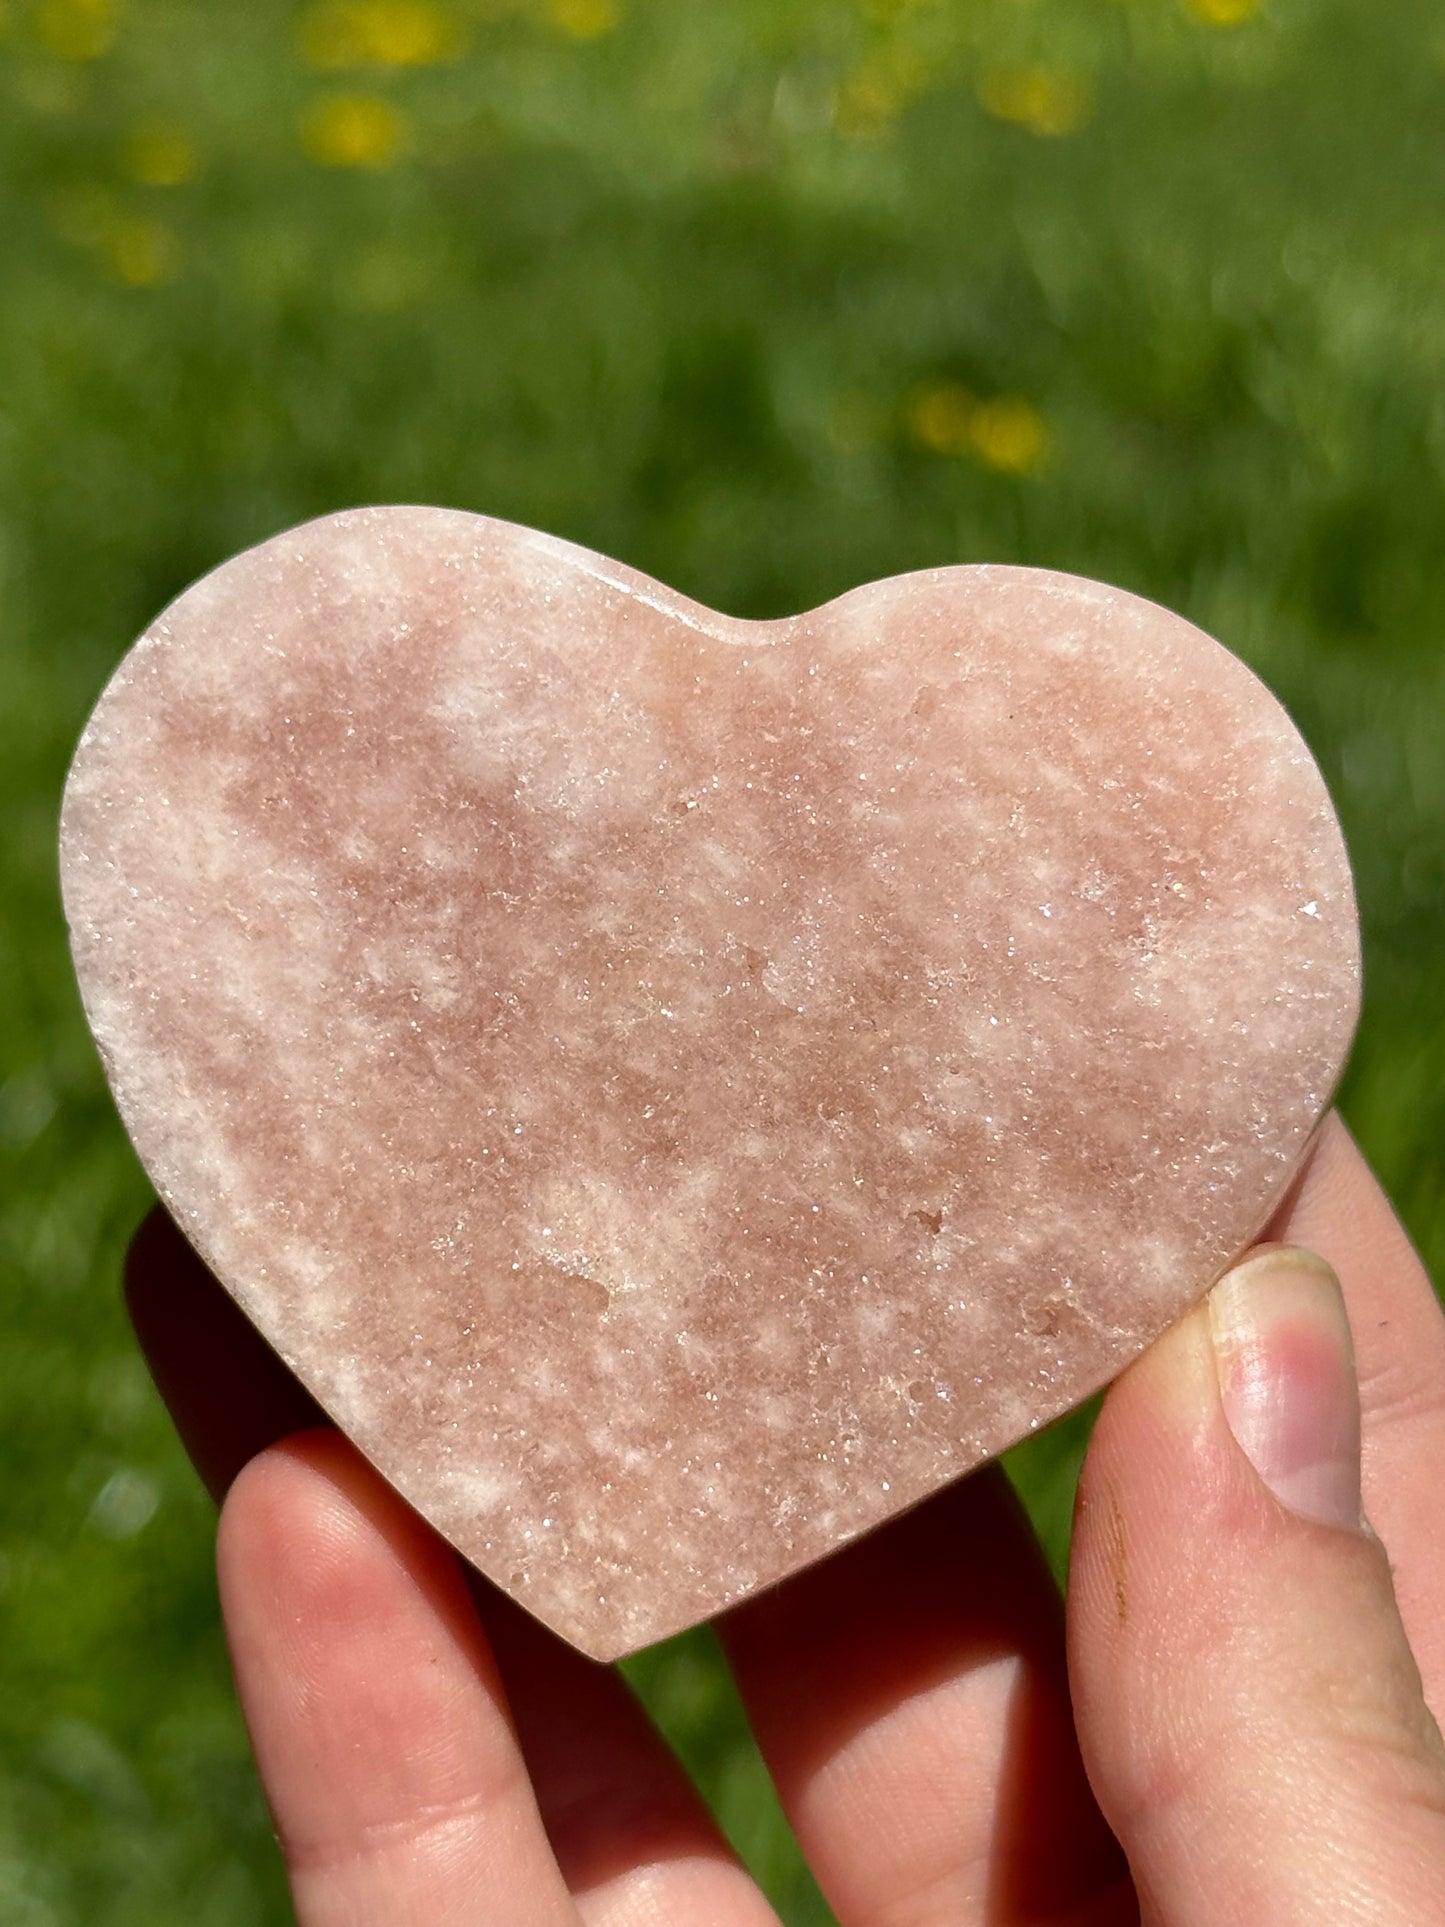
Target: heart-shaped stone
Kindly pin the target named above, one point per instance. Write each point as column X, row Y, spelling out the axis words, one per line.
column 679, row 1090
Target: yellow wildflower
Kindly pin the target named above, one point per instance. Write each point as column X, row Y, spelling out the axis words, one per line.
column 353, row 130
column 872, row 96
column 1046, row 100
column 1223, row 13
column 139, row 252
column 1009, row 434
column 584, row 19
column 939, row 417
column 1006, row 432
column 76, row 29
column 381, row 33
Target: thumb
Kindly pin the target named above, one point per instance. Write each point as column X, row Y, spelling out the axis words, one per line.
column 1249, row 1709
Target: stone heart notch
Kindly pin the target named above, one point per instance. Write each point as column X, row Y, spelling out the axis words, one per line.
column 679, row 1090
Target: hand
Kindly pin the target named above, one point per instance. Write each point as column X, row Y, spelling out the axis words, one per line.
column 1248, row 1745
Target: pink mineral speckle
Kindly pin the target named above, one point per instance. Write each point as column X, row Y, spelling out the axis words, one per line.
column 679, row 1090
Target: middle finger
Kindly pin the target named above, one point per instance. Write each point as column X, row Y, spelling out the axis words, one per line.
column 910, row 1698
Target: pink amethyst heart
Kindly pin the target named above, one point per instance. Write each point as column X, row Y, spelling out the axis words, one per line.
column 679, row 1090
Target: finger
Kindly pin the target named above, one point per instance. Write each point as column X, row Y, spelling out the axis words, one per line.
column 400, row 1789
column 1340, row 1211
column 909, row 1698
column 632, row 1838
column 1248, row 1704
column 228, row 1393
column 374, row 1705
column 633, row 1841
column 374, row 1702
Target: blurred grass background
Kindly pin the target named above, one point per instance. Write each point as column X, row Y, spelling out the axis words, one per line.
column 767, row 297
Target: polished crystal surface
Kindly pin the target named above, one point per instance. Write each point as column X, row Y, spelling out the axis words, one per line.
column 679, row 1090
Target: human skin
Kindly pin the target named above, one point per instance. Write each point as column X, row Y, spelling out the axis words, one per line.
column 1227, row 1723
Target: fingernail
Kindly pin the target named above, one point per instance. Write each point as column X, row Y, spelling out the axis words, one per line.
column 1287, row 1379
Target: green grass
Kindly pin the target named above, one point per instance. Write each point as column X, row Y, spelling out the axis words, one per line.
column 767, row 297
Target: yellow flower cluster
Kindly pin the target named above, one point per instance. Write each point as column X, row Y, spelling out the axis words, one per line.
column 354, row 130
column 378, row 33
column 1004, row 432
column 367, row 130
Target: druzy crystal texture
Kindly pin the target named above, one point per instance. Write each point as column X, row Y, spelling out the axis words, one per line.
column 679, row 1090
